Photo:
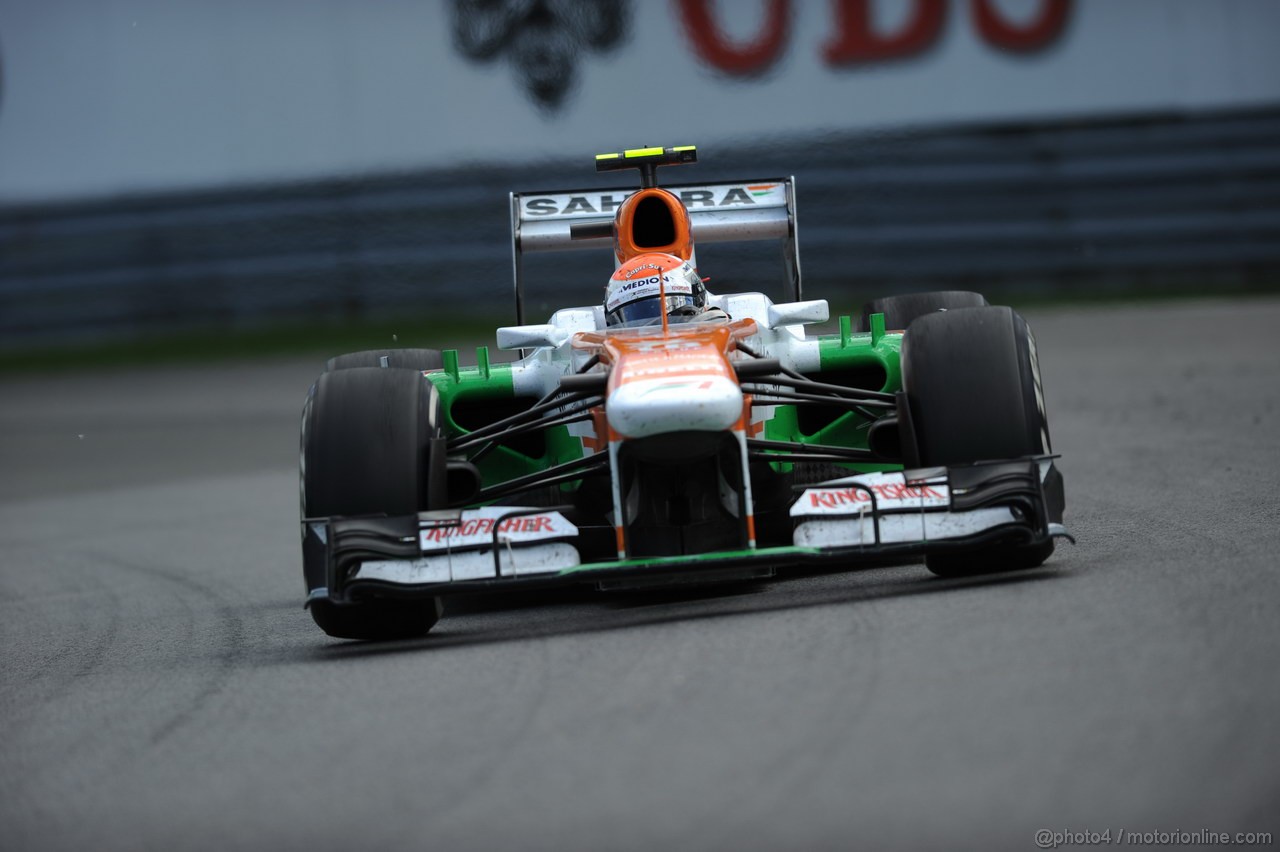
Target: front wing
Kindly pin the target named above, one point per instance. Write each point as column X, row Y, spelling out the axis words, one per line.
column 858, row 519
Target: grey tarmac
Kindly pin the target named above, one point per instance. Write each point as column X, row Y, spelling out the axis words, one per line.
column 162, row 687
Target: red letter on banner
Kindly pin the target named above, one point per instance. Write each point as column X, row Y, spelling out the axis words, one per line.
column 998, row 32
column 856, row 43
column 711, row 45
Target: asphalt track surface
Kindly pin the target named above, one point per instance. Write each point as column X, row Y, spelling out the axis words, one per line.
column 163, row 688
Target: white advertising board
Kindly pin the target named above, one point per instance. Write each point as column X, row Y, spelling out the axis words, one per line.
column 116, row 96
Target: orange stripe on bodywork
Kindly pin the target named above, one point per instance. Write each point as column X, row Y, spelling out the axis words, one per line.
column 700, row 352
column 600, row 441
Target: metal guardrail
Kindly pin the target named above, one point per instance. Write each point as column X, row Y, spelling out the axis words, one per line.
column 1167, row 201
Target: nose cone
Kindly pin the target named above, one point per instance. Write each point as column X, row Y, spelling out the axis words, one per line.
column 657, row 406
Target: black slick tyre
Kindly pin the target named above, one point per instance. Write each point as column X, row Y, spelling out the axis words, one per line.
column 900, row 310
column 372, row 445
column 974, row 390
column 396, row 359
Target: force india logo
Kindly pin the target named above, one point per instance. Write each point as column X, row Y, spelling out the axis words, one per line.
column 693, row 198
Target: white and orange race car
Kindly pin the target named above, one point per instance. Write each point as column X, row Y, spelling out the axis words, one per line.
column 634, row 448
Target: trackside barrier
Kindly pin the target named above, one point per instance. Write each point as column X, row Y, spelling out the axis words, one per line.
column 1155, row 202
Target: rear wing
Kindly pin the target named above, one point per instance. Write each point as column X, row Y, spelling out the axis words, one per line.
column 728, row 211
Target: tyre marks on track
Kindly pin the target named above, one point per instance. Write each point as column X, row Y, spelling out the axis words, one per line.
column 202, row 605
column 80, row 620
column 88, row 712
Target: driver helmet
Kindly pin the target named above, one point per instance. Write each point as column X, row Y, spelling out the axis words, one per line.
column 634, row 292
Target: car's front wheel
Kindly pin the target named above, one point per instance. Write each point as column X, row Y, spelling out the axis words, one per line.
column 899, row 311
column 973, row 385
column 371, row 446
column 396, row 359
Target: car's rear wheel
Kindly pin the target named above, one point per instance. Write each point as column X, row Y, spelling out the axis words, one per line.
column 900, row 310
column 973, row 386
column 371, row 445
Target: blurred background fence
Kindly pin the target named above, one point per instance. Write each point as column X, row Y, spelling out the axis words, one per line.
column 1161, row 204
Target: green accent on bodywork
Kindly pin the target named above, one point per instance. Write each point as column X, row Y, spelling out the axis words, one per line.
column 455, row 383
column 847, row 351
column 877, row 328
column 861, row 349
column 488, row 382
column 701, row 560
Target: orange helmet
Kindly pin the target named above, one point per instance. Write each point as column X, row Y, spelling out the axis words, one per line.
column 635, row 290
column 652, row 220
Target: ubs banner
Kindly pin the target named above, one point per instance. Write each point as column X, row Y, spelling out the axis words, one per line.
column 103, row 97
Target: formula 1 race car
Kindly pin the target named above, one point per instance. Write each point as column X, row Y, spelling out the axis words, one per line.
column 654, row 447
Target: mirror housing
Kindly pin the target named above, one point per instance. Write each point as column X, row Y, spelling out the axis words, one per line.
column 531, row 336
column 793, row 313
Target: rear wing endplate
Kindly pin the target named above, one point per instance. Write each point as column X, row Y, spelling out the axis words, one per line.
column 729, row 211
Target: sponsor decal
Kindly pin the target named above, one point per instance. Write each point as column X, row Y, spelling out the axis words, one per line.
column 695, row 198
column 621, row 292
column 484, row 526
column 677, row 347
column 887, row 492
column 634, row 271
column 543, row 43
column 687, row 362
column 891, row 491
column 856, row 39
column 687, row 385
column 687, row 367
column 568, row 206
column 476, row 527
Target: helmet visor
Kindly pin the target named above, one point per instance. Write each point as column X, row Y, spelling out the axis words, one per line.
column 649, row 311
